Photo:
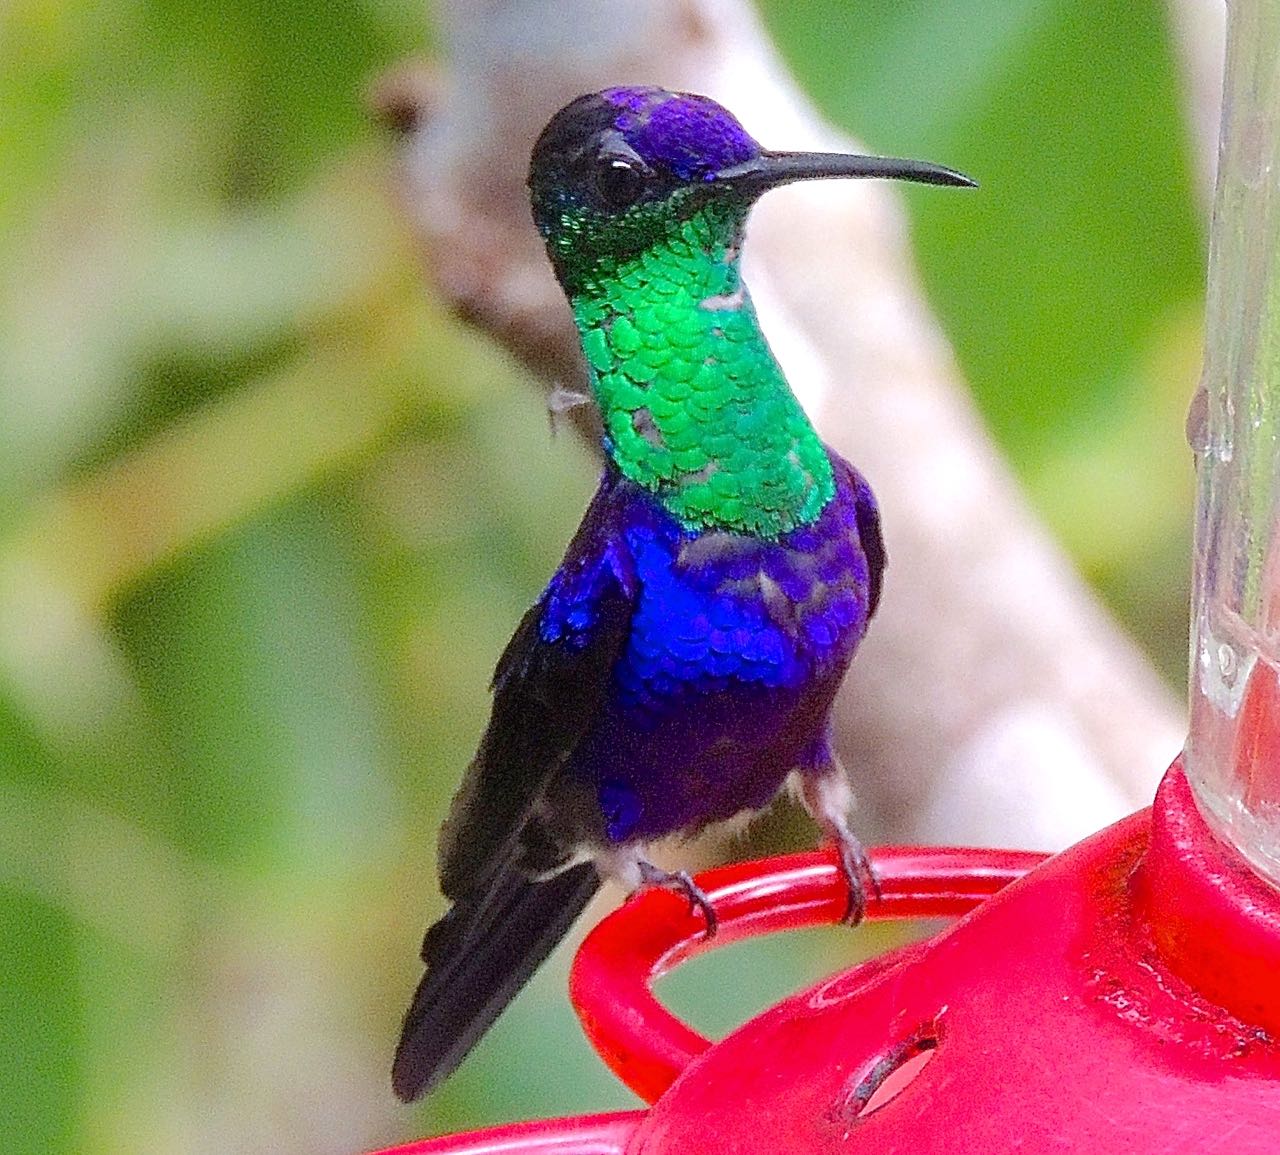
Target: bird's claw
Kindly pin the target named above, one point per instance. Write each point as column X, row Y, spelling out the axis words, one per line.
column 681, row 882
column 857, row 870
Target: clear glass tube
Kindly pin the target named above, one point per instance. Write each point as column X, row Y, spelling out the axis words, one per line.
column 1233, row 753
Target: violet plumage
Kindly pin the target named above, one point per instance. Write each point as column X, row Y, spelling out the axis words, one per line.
column 680, row 666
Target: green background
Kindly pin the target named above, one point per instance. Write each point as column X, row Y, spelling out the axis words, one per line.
column 267, row 517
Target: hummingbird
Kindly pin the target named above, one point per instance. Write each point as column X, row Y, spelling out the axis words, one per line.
column 679, row 668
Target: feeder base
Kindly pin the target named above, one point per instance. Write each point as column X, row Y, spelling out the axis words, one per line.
column 1059, row 1016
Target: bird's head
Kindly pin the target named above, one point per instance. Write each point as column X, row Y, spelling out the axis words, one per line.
column 617, row 172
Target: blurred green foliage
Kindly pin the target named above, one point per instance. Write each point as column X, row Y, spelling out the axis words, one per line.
column 268, row 515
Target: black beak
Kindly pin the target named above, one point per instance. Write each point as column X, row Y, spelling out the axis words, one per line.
column 771, row 169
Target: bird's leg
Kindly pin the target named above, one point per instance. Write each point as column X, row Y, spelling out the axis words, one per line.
column 828, row 799
column 680, row 882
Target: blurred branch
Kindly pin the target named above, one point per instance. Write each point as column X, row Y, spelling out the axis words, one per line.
column 204, row 474
column 1200, row 33
column 994, row 700
column 80, row 545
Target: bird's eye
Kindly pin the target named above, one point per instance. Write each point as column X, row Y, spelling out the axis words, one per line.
column 619, row 182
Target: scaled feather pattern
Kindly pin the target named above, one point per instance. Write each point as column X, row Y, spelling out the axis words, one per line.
column 681, row 664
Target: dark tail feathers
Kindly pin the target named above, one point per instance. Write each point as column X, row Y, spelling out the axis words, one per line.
column 478, row 957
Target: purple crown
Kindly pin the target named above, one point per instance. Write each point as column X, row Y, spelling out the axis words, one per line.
column 691, row 136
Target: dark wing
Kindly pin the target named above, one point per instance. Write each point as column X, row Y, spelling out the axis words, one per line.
column 548, row 689
column 478, row 957
column 867, row 515
column 499, row 855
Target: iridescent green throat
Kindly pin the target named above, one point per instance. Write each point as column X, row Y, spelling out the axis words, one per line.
column 695, row 407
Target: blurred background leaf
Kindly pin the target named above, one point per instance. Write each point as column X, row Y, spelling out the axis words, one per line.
column 267, row 517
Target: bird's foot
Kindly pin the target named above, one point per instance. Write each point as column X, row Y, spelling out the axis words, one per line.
column 858, row 874
column 681, row 882
column 827, row 797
